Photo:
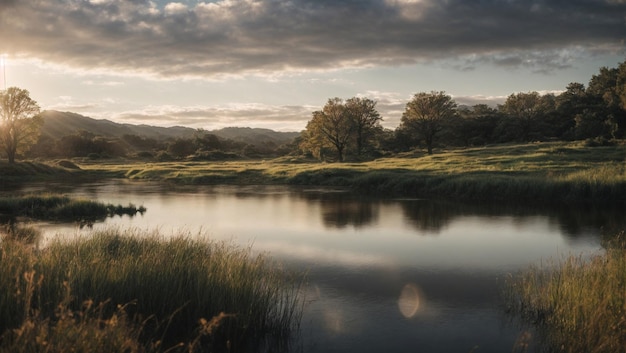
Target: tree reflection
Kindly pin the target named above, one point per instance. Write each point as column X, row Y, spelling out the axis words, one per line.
column 575, row 221
column 343, row 213
column 427, row 215
column 342, row 209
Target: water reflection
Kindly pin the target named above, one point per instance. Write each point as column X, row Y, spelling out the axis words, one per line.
column 339, row 209
column 383, row 274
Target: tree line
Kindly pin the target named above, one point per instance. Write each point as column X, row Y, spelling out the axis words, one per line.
column 203, row 145
column 351, row 128
column 596, row 112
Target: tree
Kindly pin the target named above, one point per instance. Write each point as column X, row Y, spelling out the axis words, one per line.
column 20, row 122
column 524, row 109
column 426, row 114
column 475, row 125
column 604, row 92
column 334, row 125
column 365, row 118
column 181, row 147
column 621, row 84
column 572, row 102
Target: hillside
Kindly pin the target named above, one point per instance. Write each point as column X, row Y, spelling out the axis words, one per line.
column 58, row 124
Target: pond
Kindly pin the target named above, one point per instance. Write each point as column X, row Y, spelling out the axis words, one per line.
column 393, row 275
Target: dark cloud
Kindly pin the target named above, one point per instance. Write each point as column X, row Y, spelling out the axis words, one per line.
column 231, row 37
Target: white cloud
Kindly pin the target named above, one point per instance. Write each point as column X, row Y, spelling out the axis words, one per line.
column 175, row 8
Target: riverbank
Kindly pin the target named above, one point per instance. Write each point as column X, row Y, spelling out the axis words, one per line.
column 578, row 304
column 135, row 292
column 528, row 173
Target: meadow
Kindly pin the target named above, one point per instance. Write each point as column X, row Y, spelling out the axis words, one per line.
column 531, row 173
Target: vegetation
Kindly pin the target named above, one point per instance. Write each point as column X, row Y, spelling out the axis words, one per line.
column 57, row 207
column 350, row 130
column 341, row 125
column 136, row 292
column 19, row 121
column 425, row 116
column 578, row 304
column 538, row 172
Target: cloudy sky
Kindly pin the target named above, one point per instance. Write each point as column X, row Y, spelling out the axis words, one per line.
column 270, row 63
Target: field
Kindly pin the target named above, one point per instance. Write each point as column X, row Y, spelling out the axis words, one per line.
column 539, row 172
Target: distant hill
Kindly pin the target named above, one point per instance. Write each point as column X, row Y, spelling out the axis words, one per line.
column 58, row 124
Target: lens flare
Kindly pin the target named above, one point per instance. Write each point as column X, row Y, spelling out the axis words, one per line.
column 409, row 300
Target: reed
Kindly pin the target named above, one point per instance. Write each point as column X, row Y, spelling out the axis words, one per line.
column 173, row 286
column 58, row 207
column 578, row 304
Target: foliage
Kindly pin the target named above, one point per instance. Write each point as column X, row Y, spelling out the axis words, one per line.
column 341, row 125
column 87, row 144
column 524, row 109
column 426, row 114
column 19, row 121
column 366, row 120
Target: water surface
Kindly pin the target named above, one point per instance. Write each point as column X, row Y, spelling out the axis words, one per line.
column 384, row 275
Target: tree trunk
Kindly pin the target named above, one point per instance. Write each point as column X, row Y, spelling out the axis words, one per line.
column 429, row 144
column 340, row 154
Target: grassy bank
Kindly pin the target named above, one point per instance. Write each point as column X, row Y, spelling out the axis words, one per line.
column 578, row 305
column 58, row 207
column 540, row 172
column 143, row 292
column 532, row 173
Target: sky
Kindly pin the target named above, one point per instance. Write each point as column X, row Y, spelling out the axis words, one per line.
column 271, row 63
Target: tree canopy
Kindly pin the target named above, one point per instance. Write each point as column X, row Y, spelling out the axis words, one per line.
column 20, row 121
column 426, row 114
column 340, row 125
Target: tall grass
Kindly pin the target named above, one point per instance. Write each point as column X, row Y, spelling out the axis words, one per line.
column 579, row 305
column 173, row 286
column 59, row 207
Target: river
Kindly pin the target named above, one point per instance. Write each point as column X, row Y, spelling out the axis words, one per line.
column 383, row 275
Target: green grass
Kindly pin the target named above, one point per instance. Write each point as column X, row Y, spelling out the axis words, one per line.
column 59, row 207
column 578, row 304
column 533, row 173
column 160, row 291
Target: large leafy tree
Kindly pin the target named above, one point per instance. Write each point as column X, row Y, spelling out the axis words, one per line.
column 475, row 125
column 607, row 114
column 365, row 118
column 426, row 115
column 331, row 126
column 342, row 126
column 525, row 110
column 572, row 102
column 20, row 121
